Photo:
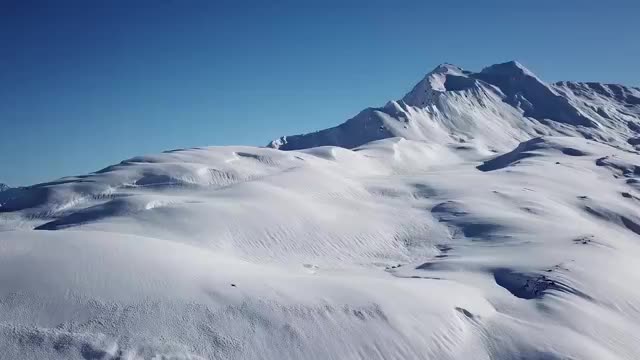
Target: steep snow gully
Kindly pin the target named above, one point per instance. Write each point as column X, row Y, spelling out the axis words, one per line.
column 485, row 215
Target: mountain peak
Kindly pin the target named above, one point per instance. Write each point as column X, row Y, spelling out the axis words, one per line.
column 498, row 104
column 446, row 68
column 508, row 68
column 535, row 98
column 444, row 77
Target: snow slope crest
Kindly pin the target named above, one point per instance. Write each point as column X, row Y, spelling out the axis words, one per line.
column 392, row 250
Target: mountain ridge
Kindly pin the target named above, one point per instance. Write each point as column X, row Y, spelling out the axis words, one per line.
column 444, row 105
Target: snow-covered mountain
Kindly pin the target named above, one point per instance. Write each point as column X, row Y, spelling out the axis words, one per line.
column 3, row 187
column 483, row 216
column 499, row 106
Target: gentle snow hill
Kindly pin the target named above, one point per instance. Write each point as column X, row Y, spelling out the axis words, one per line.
column 393, row 250
column 498, row 106
column 467, row 237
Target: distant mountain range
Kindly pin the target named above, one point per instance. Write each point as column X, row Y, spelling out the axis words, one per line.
column 499, row 106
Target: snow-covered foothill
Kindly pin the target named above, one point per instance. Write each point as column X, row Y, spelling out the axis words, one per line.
column 476, row 232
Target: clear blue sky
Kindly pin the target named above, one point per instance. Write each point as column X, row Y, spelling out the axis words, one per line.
column 85, row 84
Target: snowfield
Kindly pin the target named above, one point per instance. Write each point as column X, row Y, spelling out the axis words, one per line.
column 489, row 222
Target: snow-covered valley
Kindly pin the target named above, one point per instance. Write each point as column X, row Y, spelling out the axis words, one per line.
column 484, row 216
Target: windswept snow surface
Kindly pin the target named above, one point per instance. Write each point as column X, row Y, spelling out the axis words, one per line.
column 395, row 249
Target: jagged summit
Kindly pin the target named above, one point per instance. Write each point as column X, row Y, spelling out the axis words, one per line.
column 536, row 99
column 446, row 68
column 508, row 68
column 496, row 107
column 448, row 77
column 445, row 77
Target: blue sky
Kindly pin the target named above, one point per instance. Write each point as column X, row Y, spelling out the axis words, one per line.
column 89, row 83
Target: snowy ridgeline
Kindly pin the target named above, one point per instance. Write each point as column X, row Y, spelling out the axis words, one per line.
column 500, row 106
column 460, row 233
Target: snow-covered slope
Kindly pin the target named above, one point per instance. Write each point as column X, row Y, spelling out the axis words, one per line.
column 393, row 249
column 499, row 106
column 3, row 187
